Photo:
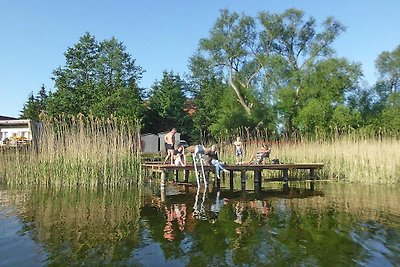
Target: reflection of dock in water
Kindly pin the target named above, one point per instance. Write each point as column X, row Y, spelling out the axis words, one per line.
column 178, row 191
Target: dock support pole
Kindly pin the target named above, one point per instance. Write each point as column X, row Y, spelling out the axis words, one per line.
column 312, row 173
column 186, row 176
column 243, row 176
column 285, row 174
column 257, row 176
column 243, row 180
column 257, row 181
column 164, row 177
column 176, row 176
column 231, row 180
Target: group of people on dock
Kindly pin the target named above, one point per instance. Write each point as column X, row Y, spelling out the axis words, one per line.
column 177, row 156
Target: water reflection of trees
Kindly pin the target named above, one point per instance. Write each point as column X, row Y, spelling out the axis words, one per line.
column 76, row 226
column 296, row 225
column 293, row 225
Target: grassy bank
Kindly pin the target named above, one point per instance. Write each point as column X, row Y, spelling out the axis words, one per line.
column 76, row 151
column 352, row 157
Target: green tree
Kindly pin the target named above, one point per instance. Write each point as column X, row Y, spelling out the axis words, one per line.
column 387, row 106
column 362, row 101
column 168, row 106
column 99, row 78
column 322, row 101
column 208, row 105
column 293, row 48
column 389, row 118
column 218, row 110
column 276, row 68
column 35, row 105
column 388, row 66
column 230, row 51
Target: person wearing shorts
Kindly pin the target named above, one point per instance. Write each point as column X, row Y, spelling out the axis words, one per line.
column 169, row 139
column 238, row 150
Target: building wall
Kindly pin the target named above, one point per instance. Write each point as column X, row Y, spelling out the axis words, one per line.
column 8, row 132
column 150, row 143
column 19, row 128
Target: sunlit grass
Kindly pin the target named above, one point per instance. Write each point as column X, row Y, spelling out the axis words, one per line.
column 77, row 151
column 352, row 157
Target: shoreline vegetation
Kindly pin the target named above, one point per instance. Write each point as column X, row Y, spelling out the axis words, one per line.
column 92, row 152
column 354, row 156
column 77, row 151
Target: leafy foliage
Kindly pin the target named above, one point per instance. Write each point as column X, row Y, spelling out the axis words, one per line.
column 273, row 71
column 168, row 106
column 99, row 78
column 35, row 105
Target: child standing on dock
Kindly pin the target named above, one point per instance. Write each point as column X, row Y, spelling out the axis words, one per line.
column 238, row 150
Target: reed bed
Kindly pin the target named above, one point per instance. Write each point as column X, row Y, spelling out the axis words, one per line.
column 77, row 151
column 351, row 157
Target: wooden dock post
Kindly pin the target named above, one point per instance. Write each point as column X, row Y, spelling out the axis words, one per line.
column 285, row 174
column 257, row 176
column 163, row 193
column 243, row 176
column 186, row 176
column 164, row 177
column 243, row 179
column 231, row 180
column 177, row 176
column 312, row 173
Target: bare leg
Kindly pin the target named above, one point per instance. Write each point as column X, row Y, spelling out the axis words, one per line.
column 171, row 155
column 166, row 158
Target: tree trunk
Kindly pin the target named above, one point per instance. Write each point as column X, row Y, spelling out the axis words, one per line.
column 239, row 95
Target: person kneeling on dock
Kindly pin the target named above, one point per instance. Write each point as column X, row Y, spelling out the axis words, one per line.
column 213, row 160
column 261, row 155
column 179, row 156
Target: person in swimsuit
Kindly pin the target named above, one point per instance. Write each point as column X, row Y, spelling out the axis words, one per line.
column 179, row 156
column 238, row 150
column 169, row 139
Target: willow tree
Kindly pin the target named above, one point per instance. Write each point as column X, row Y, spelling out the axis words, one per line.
column 388, row 88
column 232, row 50
column 274, row 59
column 292, row 48
column 388, row 67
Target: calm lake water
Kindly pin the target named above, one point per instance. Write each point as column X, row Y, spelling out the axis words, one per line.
column 294, row 224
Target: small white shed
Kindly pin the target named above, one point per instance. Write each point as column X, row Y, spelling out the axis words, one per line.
column 149, row 143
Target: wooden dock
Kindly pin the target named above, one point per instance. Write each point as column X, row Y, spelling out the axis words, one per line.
column 164, row 169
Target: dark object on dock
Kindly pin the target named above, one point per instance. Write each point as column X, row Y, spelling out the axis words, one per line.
column 275, row 161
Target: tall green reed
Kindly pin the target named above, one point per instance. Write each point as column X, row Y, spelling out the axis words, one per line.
column 348, row 154
column 77, row 151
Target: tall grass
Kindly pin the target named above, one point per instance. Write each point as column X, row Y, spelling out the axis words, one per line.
column 77, row 151
column 353, row 156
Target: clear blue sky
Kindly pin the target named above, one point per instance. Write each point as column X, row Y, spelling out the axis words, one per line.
column 161, row 35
